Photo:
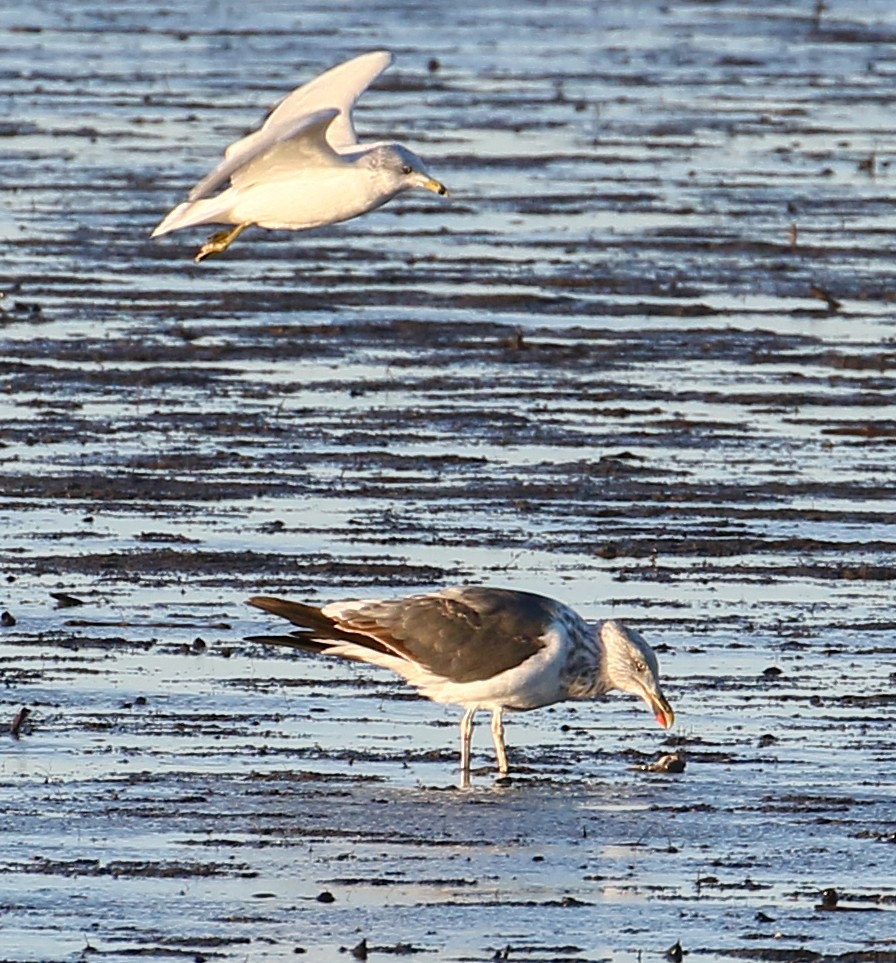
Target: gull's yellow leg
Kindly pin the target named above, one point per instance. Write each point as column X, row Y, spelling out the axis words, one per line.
column 220, row 241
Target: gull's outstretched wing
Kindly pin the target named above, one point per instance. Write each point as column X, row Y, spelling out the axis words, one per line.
column 336, row 89
column 302, row 145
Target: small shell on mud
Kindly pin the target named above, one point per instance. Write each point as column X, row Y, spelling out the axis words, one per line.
column 670, row 762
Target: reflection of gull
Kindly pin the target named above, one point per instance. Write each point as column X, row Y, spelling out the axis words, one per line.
column 481, row 648
column 304, row 167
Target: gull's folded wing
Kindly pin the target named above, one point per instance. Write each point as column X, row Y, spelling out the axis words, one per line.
column 465, row 634
column 336, row 89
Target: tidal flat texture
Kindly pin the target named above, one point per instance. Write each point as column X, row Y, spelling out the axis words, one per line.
column 642, row 360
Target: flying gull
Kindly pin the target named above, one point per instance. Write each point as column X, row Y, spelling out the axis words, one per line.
column 480, row 648
column 304, row 167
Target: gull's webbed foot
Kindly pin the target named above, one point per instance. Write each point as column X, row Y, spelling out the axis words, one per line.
column 220, row 241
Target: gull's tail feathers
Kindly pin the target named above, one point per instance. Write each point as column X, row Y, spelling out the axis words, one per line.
column 295, row 641
column 317, row 632
column 309, row 617
column 209, row 210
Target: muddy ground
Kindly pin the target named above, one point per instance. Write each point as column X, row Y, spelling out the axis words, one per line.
column 643, row 360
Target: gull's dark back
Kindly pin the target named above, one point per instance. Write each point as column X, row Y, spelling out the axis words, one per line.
column 467, row 635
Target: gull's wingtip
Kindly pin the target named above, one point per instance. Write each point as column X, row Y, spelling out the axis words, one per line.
column 261, row 601
column 372, row 61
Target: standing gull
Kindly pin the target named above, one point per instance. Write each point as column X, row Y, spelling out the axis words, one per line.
column 304, row 167
column 481, row 648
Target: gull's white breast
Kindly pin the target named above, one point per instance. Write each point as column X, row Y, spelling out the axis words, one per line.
column 535, row 682
column 308, row 198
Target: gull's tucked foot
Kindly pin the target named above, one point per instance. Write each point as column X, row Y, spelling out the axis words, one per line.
column 220, row 241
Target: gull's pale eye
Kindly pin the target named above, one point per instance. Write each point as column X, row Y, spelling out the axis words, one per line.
column 406, row 169
column 640, row 666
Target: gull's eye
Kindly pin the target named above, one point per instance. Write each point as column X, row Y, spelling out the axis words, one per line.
column 640, row 666
column 407, row 169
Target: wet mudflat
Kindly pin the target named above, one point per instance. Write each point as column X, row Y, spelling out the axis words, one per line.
column 644, row 360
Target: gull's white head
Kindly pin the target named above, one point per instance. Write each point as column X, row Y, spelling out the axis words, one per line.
column 400, row 169
column 631, row 665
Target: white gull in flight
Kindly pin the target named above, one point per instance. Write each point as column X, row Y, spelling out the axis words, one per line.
column 304, row 167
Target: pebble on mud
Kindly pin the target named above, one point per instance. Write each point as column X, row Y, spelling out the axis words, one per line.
column 15, row 728
column 675, row 953
column 833, row 304
column 137, row 701
column 359, row 952
column 66, row 601
column 517, row 341
column 829, row 899
column 7, row 620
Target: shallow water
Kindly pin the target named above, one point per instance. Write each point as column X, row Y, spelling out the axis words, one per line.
column 642, row 360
